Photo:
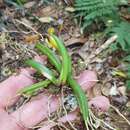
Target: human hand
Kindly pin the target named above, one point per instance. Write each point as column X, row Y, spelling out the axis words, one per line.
column 33, row 112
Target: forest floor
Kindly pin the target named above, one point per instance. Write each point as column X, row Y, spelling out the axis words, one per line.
column 19, row 32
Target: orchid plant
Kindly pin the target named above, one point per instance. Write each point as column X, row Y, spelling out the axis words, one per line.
column 63, row 67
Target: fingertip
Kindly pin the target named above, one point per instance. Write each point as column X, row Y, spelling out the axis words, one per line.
column 87, row 79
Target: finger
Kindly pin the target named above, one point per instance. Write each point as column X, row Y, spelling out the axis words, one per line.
column 87, row 79
column 100, row 103
column 35, row 111
column 8, row 123
column 10, row 86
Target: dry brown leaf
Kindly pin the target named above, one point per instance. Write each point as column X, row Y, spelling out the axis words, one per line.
column 97, row 90
column 31, row 38
column 106, row 89
column 72, row 41
column 47, row 11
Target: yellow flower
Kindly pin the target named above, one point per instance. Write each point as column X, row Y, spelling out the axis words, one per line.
column 50, row 40
column 51, row 30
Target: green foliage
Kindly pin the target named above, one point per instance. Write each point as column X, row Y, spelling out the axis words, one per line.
column 128, row 84
column 93, row 11
column 20, row 2
column 126, row 59
column 15, row 3
column 122, row 30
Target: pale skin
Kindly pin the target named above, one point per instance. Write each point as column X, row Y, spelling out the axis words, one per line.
column 31, row 113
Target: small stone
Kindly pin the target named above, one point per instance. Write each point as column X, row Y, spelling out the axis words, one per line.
column 70, row 102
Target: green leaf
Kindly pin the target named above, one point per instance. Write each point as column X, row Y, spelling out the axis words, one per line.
column 128, row 84
column 65, row 59
column 81, row 97
column 42, row 69
column 53, row 58
column 95, row 10
column 127, row 58
column 122, row 30
column 35, row 87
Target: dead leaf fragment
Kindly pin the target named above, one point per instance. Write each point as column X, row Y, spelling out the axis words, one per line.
column 70, row 9
column 29, row 4
column 26, row 21
column 31, row 38
column 106, row 89
column 97, row 90
column 46, row 19
column 72, row 41
column 47, row 11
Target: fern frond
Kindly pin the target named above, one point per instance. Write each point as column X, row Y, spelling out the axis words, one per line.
column 122, row 30
column 91, row 10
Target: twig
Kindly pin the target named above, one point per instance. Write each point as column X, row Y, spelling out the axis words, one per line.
column 52, row 121
column 120, row 114
column 91, row 58
column 97, row 119
column 29, row 27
